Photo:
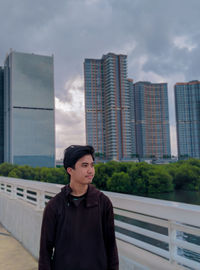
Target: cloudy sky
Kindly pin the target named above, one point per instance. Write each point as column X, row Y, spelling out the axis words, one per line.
column 161, row 39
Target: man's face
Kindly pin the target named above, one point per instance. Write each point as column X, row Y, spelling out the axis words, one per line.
column 84, row 172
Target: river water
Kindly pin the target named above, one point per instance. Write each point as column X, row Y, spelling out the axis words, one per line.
column 191, row 197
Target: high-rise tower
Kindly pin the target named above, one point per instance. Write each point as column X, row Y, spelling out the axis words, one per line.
column 187, row 104
column 151, row 120
column 29, row 124
column 132, row 117
column 94, row 105
column 1, row 115
column 117, row 107
column 107, row 106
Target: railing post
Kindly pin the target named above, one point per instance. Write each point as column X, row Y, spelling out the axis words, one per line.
column 1, row 187
column 40, row 200
column 13, row 192
column 25, row 194
column 172, row 246
column 5, row 186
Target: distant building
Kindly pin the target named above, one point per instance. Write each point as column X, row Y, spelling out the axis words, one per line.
column 1, row 115
column 107, row 106
column 132, row 119
column 59, row 163
column 29, row 124
column 187, row 104
column 151, row 120
column 94, row 105
column 124, row 121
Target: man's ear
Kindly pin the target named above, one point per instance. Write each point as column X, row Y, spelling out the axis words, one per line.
column 69, row 170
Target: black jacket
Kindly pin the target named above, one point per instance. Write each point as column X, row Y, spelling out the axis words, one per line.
column 78, row 238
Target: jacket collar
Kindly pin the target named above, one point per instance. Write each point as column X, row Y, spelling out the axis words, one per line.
column 92, row 195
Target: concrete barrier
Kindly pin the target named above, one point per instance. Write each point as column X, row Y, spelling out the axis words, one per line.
column 22, row 221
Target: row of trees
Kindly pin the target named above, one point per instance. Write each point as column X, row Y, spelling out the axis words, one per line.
column 142, row 178
column 50, row 175
column 125, row 177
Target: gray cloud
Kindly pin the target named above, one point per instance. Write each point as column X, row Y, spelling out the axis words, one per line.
column 70, row 130
column 161, row 39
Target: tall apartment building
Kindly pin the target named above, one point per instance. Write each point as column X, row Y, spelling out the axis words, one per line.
column 29, row 122
column 94, row 105
column 107, row 106
column 187, row 105
column 151, row 120
column 132, row 117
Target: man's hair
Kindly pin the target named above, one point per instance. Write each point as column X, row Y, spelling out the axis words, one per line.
column 74, row 152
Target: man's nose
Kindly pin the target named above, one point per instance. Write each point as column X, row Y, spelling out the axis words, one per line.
column 90, row 169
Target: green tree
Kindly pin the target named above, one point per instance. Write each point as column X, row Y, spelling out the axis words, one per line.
column 60, row 176
column 187, row 177
column 102, row 173
column 193, row 162
column 5, row 168
column 46, row 175
column 139, row 186
column 27, row 172
column 139, row 174
column 15, row 173
column 37, row 174
column 119, row 182
column 171, row 169
column 160, row 181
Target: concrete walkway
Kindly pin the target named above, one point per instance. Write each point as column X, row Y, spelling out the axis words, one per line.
column 13, row 256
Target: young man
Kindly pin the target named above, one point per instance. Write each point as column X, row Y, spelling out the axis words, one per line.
column 78, row 224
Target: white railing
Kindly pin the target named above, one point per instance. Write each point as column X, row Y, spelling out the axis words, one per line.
column 169, row 230
column 32, row 192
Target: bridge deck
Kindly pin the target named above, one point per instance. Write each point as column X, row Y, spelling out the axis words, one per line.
column 13, row 255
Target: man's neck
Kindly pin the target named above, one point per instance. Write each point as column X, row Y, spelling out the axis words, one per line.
column 78, row 190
